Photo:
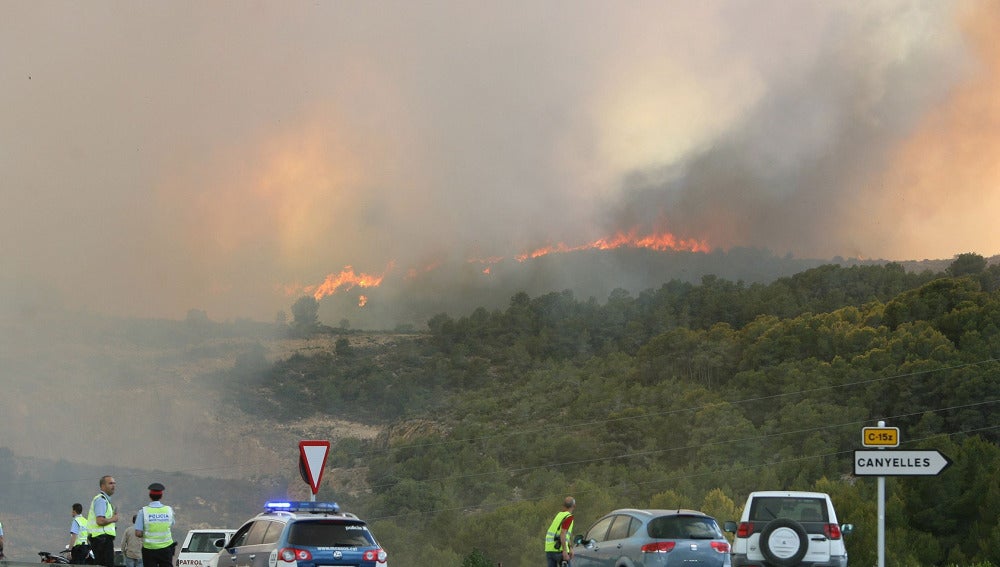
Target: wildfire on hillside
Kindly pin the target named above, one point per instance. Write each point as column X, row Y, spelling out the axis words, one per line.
column 347, row 278
column 631, row 239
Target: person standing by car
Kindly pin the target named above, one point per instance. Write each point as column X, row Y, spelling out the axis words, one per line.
column 558, row 550
column 153, row 526
column 101, row 523
column 132, row 546
column 79, row 545
column 1, row 541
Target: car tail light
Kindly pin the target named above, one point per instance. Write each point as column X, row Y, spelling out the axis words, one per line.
column 290, row 554
column 659, row 547
column 744, row 530
column 721, row 546
column 377, row 555
column 832, row 531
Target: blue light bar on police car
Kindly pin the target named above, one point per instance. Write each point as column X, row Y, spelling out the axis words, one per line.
column 302, row 506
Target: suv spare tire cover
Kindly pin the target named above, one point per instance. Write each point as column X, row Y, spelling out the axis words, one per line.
column 784, row 542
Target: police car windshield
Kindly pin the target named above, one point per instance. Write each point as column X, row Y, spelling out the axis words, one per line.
column 329, row 533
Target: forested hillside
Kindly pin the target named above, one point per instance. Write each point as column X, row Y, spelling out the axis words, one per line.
column 684, row 396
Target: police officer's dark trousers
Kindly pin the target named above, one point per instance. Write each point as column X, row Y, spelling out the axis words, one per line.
column 78, row 555
column 103, row 547
column 163, row 557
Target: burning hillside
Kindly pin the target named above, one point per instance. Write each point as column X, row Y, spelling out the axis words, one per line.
column 348, row 279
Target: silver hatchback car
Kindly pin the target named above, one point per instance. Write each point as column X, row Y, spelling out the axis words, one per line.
column 652, row 538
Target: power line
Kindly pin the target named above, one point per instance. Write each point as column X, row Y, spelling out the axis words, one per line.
column 649, row 415
column 854, row 423
column 548, row 428
column 675, row 477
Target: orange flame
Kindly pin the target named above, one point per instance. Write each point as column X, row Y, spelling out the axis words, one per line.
column 346, row 279
column 630, row 239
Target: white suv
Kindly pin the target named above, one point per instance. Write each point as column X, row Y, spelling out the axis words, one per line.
column 787, row 529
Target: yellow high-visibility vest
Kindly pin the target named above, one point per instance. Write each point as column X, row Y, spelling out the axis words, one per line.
column 552, row 536
column 81, row 536
column 93, row 530
column 156, row 522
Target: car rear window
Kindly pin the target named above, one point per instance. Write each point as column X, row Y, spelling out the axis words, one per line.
column 330, row 533
column 767, row 508
column 683, row 527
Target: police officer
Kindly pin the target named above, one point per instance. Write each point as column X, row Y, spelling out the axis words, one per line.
column 153, row 526
column 558, row 550
column 101, row 523
column 79, row 544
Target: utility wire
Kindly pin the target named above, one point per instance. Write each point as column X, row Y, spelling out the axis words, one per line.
column 646, row 416
column 548, row 428
column 671, row 478
column 757, row 438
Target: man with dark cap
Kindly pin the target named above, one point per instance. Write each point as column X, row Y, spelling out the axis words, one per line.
column 153, row 526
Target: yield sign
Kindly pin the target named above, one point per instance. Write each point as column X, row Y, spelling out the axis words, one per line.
column 312, row 461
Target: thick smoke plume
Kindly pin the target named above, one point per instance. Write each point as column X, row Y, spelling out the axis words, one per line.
column 228, row 158
column 202, row 156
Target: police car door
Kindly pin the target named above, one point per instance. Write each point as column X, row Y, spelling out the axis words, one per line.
column 249, row 551
column 268, row 556
column 229, row 555
column 260, row 550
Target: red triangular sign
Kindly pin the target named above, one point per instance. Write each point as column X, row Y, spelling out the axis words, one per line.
column 312, row 456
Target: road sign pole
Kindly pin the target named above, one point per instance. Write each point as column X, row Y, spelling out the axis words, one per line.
column 881, row 463
column 881, row 514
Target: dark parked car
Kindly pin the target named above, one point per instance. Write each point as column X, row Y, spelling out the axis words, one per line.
column 652, row 538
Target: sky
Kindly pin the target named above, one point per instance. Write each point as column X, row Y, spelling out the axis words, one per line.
column 158, row 157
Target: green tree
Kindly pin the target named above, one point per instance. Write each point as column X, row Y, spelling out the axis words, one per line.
column 967, row 264
column 720, row 506
column 343, row 347
column 305, row 312
column 476, row 559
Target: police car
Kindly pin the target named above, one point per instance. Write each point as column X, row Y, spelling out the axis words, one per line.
column 302, row 534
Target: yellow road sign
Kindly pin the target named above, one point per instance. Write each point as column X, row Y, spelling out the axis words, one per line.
column 880, row 437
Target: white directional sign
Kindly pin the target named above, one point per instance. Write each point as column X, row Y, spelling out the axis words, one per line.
column 899, row 463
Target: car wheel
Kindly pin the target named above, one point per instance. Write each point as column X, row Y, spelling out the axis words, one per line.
column 784, row 542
